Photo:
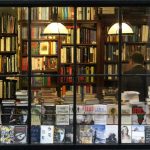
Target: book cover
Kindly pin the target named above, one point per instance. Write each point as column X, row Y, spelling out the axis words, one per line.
column 138, row 134
column 85, row 134
column 112, row 110
column 52, row 64
column 47, row 134
column 111, row 134
column 62, row 109
column 36, row 114
column 126, row 134
column 21, row 115
column 59, row 134
column 20, row 134
column 62, row 119
column 35, row 134
column 138, row 114
column 98, row 134
column 7, row 134
column 69, row 134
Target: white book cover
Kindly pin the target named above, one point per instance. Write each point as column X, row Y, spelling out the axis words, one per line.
column 47, row 134
column 111, row 134
column 138, row 134
column 62, row 119
column 112, row 110
column 62, row 109
column 126, row 134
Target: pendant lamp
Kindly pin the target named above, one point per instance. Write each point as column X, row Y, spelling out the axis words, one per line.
column 55, row 27
column 114, row 29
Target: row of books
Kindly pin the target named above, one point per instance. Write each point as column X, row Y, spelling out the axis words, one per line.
column 8, row 23
column 8, row 64
column 82, row 70
column 86, row 134
column 41, row 48
column 8, row 44
column 40, row 64
column 63, row 13
column 112, row 51
column 84, row 55
column 8, row 88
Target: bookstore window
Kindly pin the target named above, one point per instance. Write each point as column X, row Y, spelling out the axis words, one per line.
column 68, row 88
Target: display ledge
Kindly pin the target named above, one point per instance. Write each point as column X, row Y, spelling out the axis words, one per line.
column 74, row 147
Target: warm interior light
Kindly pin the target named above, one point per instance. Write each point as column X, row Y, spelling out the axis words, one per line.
column 55, row 28
column 114, row 29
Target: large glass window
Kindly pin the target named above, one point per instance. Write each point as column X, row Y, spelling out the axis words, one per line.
column 84, row 83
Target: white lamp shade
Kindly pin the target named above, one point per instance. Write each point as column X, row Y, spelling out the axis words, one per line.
column 114, row 29
column 55, row 28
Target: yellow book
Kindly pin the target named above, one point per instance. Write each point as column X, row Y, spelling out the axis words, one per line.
column 92, row 72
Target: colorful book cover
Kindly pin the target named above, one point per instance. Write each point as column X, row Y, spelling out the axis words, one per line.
column 7, row 134
column 85, row 134
column 138, row 114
